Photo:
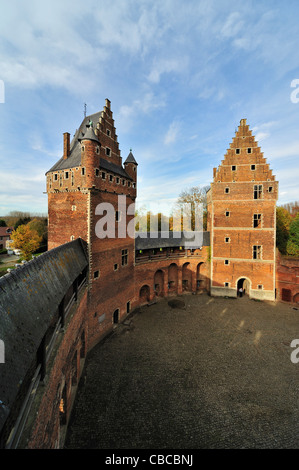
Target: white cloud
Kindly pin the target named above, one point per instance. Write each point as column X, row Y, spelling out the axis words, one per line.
column 172, row 133
column 167, row 66
column 233, row 25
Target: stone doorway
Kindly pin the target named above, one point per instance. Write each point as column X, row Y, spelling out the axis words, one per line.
column 245, row 285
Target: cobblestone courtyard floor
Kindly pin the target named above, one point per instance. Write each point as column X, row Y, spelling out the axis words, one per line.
column 213, row 374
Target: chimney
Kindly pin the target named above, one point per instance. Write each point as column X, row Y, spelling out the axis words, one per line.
column 66, row 145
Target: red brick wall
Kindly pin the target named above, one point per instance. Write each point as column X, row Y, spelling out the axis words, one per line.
column 287, row 279
column 231, row 206
column 46, row 431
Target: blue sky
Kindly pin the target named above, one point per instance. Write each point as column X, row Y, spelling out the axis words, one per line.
column 180, row 76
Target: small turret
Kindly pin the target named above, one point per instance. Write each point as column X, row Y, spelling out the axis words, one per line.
column 130, row 165
column 90, row 146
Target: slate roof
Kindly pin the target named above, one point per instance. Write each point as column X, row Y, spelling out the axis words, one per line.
column 29, row 298
column 74, row 158
column 113, row 168
column 130, row 158
column 152, row 240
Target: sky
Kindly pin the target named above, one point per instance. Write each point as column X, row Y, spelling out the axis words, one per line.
column 180, row 76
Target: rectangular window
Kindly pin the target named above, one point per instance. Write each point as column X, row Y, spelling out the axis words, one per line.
column 238, row 151
column 115, row 267
column 55, row 177
column 227, row 213
column 257, row 220
column 249, row 150
column 82, row 171
column 123, row 182
column 66, row 175
column 226, row 284
column 252, row 167
column 97, row 172
column 110, row 178
column 226, row 261
column 270, row 189
column 124, row 257
column 96, row 274
column 257, row 252
column 108, row 132
column 260, row 286
column 227, row 239
column 257, row 191
column 226, row 190
column 234, row 167
column 108, row 151
column 117, row 180
column 128, row 307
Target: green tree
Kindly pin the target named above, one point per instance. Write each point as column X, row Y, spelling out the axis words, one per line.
column 293, row 242
column 26, row 240
column 283, row 222
column 22, row 221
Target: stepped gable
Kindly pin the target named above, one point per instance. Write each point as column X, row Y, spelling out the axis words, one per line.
column 245, row 155
column 100, row 128
column 30, row 297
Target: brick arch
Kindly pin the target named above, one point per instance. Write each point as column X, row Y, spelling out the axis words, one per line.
column 187, row 277
column 159, row 283
column 200, row 282
column 172, row 277
column 144, row 294
column 246, row 284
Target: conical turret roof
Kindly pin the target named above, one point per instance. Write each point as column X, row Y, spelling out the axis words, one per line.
column 130, row 158
column 89, row 135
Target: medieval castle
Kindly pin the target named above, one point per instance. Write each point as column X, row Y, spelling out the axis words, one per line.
column 55, row 308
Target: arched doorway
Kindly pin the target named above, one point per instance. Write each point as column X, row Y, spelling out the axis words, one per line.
column 200, row 283
column 186, row 277
column 172, row 278
column 144, row 294
column 116, row 316
column 243, row 283
column 159, row 283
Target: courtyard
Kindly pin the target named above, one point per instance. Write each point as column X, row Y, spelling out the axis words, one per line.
column 192, row 372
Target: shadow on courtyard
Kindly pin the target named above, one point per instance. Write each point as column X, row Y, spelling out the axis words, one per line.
column 204, row 373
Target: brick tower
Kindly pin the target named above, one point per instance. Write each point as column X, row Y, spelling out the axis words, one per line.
column 242, row 221
column 90, row 193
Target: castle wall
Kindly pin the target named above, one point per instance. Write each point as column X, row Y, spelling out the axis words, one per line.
column 287, row 279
